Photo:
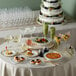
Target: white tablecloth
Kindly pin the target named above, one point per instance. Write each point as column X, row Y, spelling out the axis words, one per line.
column 7, row 69
column 10, row 68
column 68, row 69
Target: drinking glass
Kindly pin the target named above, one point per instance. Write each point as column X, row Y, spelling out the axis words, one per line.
column 17, row 38
column 45, row 29
column 52, row 32
column 33, row 31
column 24, row 31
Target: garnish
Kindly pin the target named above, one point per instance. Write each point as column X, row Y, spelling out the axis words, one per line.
column 57, row 39
column 6, row 48
column 41, row 40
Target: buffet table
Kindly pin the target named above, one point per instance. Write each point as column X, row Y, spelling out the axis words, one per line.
column 8, row 68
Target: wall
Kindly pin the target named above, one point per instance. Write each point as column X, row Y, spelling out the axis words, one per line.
column 68, row 5
column 33, row 4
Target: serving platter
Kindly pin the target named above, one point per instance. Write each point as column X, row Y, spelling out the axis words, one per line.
column 52, row 56
column 38, row 46
column 40, row 43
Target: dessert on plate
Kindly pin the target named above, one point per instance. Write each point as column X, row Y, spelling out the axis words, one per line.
column 29, row 52
column 57, row 39
column 32, row 61
column 41, row 41
column 65, row 36
column 36, row 61
column 8, row 52
column 19, row 59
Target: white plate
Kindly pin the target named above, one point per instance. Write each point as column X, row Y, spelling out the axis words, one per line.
column 4, row 53
column 41, row 64
column 35, row 53
column 15, row 62
column 49, row 59
column 42, row 44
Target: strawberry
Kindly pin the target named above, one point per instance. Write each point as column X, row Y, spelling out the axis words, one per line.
column 38, row 40
column 22, row 58
column 43, row 39
column 29, row 49
column 51, row 8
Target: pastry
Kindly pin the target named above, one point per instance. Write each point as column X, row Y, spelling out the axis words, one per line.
column 38, row 61
column 9, row 52
column 32, row 61
column 19, row 59
column 35, row 61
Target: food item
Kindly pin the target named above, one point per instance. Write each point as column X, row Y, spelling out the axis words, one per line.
column 52, row 32
column 29, row 52
column 9, row 52
column 65, row 36
column 41, row 40
column 57, row 39
column 32, row 61
column 53, row 55
column 22, row 58
column 45, row 29
column 19, row 59
column 36, row 61
column 51, row 12
column 29, row 42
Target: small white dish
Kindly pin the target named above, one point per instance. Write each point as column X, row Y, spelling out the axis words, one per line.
column 35, row 53
column 16, row 62
column 4, row 53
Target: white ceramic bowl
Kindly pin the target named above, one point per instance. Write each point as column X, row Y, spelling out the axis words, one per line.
column 49, row 59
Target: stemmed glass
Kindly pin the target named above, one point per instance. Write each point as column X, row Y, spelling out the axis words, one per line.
column 45, row 29
column 52, row 33
column 33, row 31
column 24, row 31
column 65, row 38
column 8, row 38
